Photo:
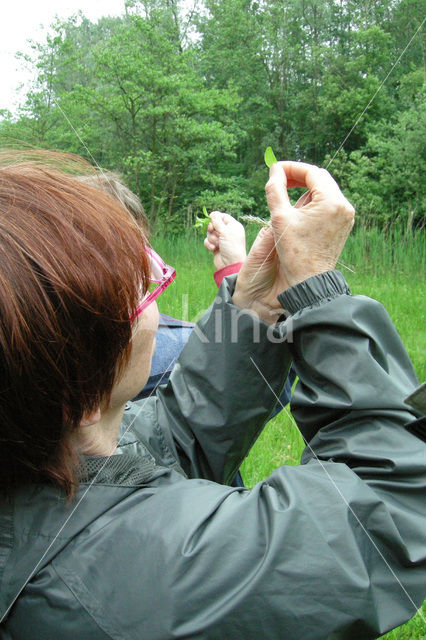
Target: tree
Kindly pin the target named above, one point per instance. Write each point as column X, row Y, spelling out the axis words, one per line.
column 184, row 102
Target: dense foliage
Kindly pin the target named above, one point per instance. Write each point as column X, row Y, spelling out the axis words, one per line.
column 183, row 102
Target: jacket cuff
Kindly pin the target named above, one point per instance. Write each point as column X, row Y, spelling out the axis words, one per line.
column 229, row 270
column 321, row 288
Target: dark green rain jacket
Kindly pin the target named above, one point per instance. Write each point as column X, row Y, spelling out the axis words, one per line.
column 157, row 546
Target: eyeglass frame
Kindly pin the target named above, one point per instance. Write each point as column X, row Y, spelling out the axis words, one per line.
column 169, row 274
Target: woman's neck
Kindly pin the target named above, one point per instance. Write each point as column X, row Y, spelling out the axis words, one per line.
column 100, row 438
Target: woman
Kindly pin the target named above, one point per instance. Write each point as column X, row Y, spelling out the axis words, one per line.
column 116, row 520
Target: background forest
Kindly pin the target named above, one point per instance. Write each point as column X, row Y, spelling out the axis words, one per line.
column 182, row 99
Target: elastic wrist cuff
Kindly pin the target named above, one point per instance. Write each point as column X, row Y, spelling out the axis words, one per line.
column 320, row 288
column 229, row 270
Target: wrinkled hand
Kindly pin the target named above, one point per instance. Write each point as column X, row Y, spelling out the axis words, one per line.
column 307, row 238
column 226, row 239
column 261, row 279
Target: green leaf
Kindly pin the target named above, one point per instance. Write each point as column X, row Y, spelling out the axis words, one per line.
column 270, row 158
column 202, row 223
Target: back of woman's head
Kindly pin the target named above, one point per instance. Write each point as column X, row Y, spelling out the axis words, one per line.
column 72, row 266
column 114, row 184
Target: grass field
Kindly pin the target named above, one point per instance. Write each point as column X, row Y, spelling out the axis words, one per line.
column 389, row 267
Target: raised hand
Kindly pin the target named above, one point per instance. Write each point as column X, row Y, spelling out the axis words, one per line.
column 304, row 240
column 309, row 237
column 226, row 239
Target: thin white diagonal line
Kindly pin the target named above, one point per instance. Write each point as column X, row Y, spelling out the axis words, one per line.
column 64, row 524
column 340, row 493
column 77, row 134
column 138, row 412
column 377, row 91
column 271, row 251
column 345, row 266
column 349, row 133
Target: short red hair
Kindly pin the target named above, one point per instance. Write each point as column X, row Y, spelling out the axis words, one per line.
column 72, row 267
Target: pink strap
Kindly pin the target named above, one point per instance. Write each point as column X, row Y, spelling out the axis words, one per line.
column 226, row 271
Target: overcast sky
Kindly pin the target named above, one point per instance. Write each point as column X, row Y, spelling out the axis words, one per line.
column 21, row 20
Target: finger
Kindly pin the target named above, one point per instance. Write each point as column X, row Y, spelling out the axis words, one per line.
column 263, row 249
column 208, row 245
column 213, row 238
column 304, row 199
column 301, row 174
column 228, row 219
column 276, row 189
column 234, row 226
column 217, row 222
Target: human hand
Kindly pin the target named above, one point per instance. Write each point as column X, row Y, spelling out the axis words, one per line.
column 226, row 239
column 304, row 240
column 261, row 279
column 310, row 236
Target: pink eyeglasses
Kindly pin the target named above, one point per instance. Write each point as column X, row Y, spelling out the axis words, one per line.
column 161, row 274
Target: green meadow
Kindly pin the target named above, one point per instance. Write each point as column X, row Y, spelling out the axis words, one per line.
column 388, row 266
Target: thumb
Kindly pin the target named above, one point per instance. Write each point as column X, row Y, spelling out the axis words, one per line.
column 217, row 222
column 259, row 268
column 276, row 190
column 262, row 251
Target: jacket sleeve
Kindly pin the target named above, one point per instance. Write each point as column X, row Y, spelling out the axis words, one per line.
column 214, row 404
column 354, row 374
column 333, row 548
